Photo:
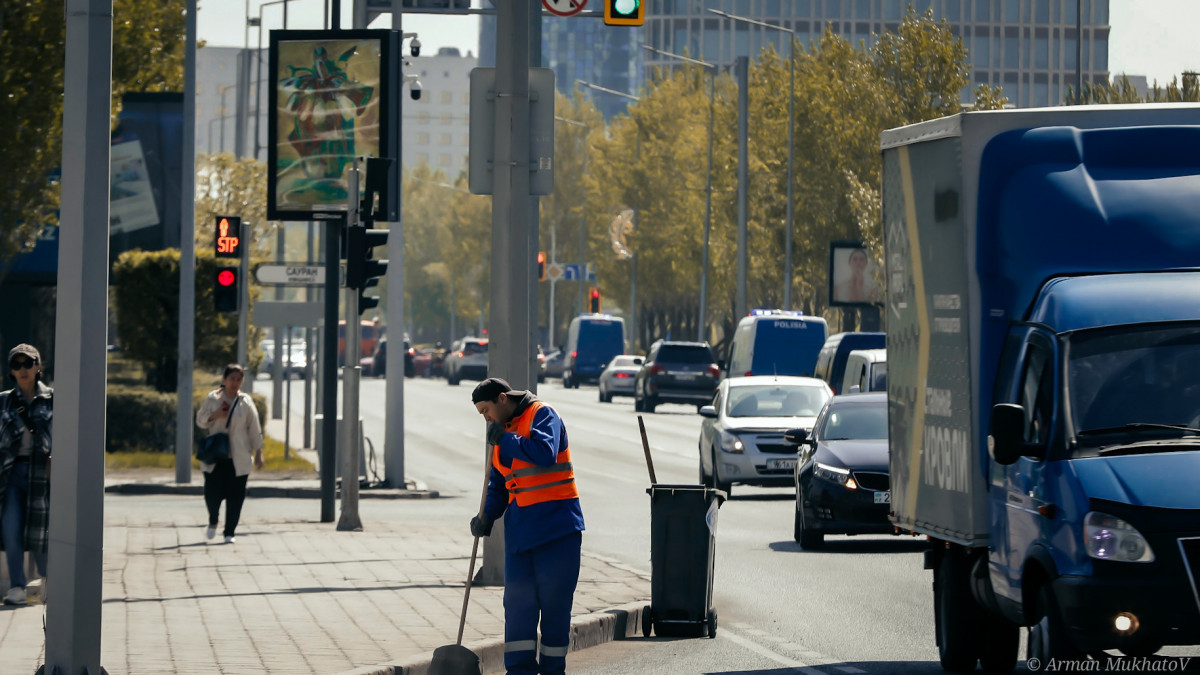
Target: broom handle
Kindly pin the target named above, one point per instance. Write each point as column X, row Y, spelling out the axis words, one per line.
column 646, row 449
column 487, row 474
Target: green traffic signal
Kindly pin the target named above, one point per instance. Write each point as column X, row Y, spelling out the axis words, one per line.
column 624, row 12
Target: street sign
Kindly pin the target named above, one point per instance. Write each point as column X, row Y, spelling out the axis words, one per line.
column 554, row 271
column 564, row 7
column 482, row 132
column 571, row 272
column 290, row 275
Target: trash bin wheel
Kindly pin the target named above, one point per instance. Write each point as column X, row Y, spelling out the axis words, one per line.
column 647, row 621
column 712, row 623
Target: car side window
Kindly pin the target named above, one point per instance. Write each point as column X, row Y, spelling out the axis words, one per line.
column 1035, row 396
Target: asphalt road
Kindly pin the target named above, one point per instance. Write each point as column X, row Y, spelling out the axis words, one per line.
column 860, row 605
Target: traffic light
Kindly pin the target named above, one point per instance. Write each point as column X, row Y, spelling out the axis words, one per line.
column 227, row 242
column 363, row 272
column 624, row 12
column 541, row 265
column 594, row 301
column 227, row 291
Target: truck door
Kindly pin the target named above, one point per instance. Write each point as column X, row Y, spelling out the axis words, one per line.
column 1016, row 524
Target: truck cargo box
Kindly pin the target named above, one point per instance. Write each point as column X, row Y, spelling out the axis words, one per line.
column 979, row 210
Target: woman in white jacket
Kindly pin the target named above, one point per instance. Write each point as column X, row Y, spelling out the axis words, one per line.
column 226, row 479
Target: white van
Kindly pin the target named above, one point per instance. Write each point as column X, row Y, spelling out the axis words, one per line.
column 776, row 342
column 866, row 370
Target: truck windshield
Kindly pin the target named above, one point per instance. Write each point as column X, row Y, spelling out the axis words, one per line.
column 1132, row 377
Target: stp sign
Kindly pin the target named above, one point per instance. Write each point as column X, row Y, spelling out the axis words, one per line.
column 228, row 242
column 564, row 7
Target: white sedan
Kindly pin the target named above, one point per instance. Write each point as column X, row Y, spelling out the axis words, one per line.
column 618, row 376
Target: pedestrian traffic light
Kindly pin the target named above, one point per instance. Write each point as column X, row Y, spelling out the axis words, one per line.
column 624, row 12
column 594, row 301
column 360, row 267
column 228, row 240
column 227, row 291
column 541, row 265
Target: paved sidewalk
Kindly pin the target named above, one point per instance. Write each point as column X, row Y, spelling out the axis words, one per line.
column 294, row 596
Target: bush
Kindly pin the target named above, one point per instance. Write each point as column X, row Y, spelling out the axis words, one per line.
column 139, row 419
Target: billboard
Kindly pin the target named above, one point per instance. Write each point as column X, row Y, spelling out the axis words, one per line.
column 130, row 198
column 853, row 276
column 332, row 101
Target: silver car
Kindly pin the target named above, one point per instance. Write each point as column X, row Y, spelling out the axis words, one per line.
column 467, row 360
column 618, row 376
column 741, row 435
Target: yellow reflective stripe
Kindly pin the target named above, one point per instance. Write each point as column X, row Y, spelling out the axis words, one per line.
column 542, row 487
column 520, row 646
column 555, row 651
column 538, row 470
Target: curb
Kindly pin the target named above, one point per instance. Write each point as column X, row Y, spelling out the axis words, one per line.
column 271, row 491
column 619, row 623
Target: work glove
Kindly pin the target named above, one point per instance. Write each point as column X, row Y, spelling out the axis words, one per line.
column 494, row 433
column 481, row 526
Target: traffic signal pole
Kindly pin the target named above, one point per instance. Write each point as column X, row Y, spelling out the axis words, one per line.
column 329, row 386
column 351, row 371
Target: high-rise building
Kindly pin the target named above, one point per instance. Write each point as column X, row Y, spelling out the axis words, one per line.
column 1028, row 47
column 582, row 48
column 437, row 126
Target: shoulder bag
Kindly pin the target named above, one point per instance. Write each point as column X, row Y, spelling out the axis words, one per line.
column 216, row 446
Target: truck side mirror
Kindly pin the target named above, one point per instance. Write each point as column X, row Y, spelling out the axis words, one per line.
column 795, row 436
column 1006, row 439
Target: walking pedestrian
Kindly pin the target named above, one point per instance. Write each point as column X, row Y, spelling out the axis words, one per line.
column 26, row 411
column 229, row 410
column 532, row 484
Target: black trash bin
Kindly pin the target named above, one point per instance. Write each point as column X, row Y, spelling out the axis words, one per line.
column 683, row 523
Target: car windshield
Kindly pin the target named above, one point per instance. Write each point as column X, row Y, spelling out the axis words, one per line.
column 1134, row 376
column 626, row 362
column 685, row 354
column 855, row 420
column 775, row 400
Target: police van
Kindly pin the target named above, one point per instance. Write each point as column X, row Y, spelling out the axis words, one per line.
column 776, row 342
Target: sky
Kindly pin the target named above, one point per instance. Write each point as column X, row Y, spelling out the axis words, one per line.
column 1155, row 38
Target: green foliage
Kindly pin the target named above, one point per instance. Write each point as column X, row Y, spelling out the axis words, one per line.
column 146, row 298
column 229, row 186
column 1122, row 91
column 139, row 419
column 148, row 50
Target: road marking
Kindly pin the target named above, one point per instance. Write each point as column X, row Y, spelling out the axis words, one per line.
column 850, row 669
column 797, row 666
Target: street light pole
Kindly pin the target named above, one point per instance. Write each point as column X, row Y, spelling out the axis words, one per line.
column 712, row 88
column 787, row 245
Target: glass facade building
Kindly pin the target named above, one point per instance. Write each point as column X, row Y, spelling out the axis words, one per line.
column 1027, row 47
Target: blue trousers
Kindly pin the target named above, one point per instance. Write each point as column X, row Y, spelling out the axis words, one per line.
column 540, row 583
column 12, row 526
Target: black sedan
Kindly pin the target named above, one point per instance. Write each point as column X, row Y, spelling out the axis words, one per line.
column 842, row 482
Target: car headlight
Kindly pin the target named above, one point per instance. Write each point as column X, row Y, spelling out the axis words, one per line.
column 834, row 474
column 1110, row 538
column 731, row 443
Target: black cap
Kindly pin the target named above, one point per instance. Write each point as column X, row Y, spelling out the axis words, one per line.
column 490, row 389
column 26, row 350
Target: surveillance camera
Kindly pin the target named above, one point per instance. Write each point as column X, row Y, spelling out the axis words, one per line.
column 416, row 47
column 415, row 90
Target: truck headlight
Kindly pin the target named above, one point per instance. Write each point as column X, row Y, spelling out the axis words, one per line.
column 833, row 474
column 731, row 443
column 1110, row 538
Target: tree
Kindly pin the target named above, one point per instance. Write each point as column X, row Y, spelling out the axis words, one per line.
column 148, row 50
column 1120, row 90
column 229, row 186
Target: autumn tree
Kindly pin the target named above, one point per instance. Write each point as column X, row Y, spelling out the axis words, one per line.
column 147, row 55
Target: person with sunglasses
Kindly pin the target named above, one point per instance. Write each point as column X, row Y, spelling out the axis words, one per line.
column 26, row 412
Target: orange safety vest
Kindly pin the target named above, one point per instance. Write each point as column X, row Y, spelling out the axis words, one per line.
column 532, row 483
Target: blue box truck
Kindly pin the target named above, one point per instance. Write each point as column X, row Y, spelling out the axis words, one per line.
column 1043, row 300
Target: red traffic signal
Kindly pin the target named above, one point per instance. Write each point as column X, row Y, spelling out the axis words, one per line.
column 594, row 301
column 541, row 266
column 226, row 278
column 227, row 293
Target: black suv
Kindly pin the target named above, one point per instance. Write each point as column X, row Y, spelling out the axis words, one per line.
column 676, row 372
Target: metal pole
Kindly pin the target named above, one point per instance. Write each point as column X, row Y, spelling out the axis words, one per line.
column 309, row 353
column 184, row 424
column 73, row 621
column 393, row 430
column 282, row 356
column 1079, row 51
column 244, row 291
column 336, row 15
column 742, row 71
column 287, row 419
column 258, row 85
column 787, row 245
column 333, row 243
column 350, row 377
column 712, row 90
column 550, row 320
column 583, row 236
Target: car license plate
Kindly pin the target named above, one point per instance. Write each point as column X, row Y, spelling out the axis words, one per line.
column 685, row 376
column 778, row 464
column 883, row 497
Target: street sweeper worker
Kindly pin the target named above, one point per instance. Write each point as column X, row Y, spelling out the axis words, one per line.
column 532, row 485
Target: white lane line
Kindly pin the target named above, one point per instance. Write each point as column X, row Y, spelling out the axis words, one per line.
column 797, row 666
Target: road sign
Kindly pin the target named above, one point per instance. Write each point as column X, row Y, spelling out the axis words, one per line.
column 554, row 271
column 482, row 132
column 290, row 275
column 571, row 272
column 564, row 7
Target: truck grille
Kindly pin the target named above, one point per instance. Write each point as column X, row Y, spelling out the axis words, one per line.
column 1191, row 559
column 872, row 481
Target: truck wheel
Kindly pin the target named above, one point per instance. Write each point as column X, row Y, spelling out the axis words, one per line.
column 1048, row 637
column 647, row 621
column 712, row 623
column 1001, row 642
column 956, row 615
